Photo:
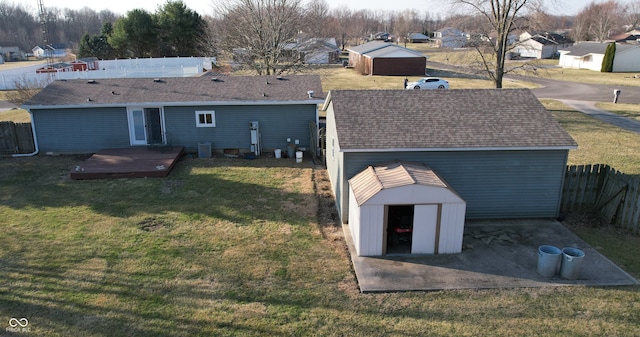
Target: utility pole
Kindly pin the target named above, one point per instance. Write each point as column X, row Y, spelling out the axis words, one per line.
column 48, row 48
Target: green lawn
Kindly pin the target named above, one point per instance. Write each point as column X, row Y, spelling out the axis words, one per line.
column 232, row 247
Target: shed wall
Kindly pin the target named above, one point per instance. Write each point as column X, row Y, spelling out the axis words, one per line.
column 451, row 236
column 495, row 184
column 334, row 160
column 371, row 228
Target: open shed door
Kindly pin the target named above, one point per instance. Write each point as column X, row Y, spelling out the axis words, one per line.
column 425, row 229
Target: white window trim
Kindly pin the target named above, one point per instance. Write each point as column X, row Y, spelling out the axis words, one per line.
column 206, row 125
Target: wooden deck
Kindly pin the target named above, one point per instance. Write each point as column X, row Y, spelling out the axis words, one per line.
column 134, row 162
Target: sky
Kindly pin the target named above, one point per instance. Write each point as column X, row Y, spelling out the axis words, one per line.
column 205, row 7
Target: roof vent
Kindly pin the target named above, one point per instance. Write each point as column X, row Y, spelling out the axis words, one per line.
column 310, row 93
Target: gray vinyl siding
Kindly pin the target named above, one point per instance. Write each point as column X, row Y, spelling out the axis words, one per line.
column 277, row 123
column 90, row 130
column 334, row 159
column 81, row 130
column 495, row 184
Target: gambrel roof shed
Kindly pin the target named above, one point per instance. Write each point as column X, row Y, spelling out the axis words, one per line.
column 438, row 219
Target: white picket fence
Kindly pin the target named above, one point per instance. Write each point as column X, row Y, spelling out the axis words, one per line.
column 121, row 68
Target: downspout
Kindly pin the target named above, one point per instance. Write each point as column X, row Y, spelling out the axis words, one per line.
column 35, row 140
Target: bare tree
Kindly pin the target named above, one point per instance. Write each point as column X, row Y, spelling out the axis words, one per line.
column 633, row 15
column 502, row 18
column 597, row 21
column 316, row 16
column 25, row 89
column 256, row 33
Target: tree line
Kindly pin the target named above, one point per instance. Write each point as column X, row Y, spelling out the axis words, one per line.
column 21, row 26
column 258, row 33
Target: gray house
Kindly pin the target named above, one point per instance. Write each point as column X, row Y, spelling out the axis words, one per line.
column 229, row 112
column 499, row 150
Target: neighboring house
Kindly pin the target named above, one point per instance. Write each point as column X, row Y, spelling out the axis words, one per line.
column 52, row 50
column 417, row 38
column 316, row 50
column 499, row 150
column 628, row 37
column 11, row 54
column 59, row 67
column 543, row 45
column 383, row 36
column 449, row 37
column 382, row 58
column 85, row 116
column 84, row 64
column 589, row 55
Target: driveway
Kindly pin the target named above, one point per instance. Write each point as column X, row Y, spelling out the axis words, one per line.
column 5, row 106
column 564, row 90
column 580, row 96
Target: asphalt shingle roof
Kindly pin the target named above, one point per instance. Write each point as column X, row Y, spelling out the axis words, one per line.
column 444, row 119
column 586, row 48
column 184, row 90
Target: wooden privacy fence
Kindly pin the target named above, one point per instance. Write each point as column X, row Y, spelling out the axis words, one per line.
column 317, row 136
column 613, row 195
column 16, row 138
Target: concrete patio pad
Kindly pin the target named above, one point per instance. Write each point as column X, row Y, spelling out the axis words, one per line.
column 495, row 254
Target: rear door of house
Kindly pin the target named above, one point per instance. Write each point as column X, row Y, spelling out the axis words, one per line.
column 145, row 125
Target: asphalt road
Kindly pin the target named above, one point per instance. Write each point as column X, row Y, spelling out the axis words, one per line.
column 564, row 90
column 4, row 106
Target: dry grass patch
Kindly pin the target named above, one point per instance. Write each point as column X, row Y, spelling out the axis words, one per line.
column 230, row 255
column 625, row 110
column 598, row 142
column 15, row 115
column 340, row 78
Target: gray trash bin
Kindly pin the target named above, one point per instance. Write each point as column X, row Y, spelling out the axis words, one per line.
column 548, row 260
column 571, row 263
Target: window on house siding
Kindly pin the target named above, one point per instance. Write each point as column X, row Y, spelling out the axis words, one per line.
column 205, row 119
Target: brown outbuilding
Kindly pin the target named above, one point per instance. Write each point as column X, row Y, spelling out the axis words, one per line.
column 384, row 58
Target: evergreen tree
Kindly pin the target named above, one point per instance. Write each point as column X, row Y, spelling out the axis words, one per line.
column 180, row 30
column 134, row 35
column 609, row 55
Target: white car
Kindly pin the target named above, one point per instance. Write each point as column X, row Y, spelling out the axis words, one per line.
column 428, row 83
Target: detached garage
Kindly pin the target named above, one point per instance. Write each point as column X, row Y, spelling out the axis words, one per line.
column 382, row 58
column 501, row 151
column 404, row 208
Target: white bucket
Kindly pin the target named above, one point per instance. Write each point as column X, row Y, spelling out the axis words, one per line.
column 299, row 157
column 278, row 153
